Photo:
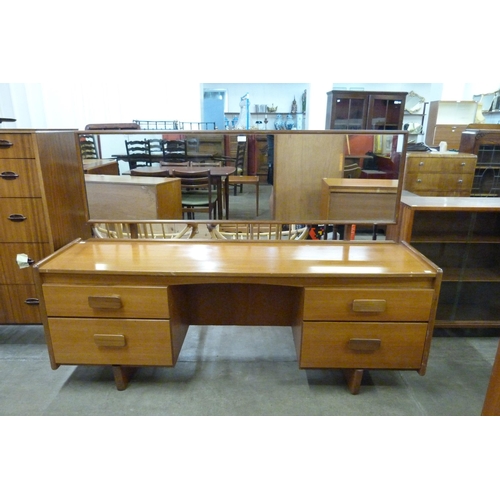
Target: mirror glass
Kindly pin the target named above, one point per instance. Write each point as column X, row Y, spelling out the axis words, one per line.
column 324, row 176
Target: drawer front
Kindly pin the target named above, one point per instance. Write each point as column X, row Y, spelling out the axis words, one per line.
column 5, row 307
column 441, row 165
column 25, row 304
column 10, row 272
column 111, row 341
column 16, row 146
column 106, row 301
column 22, row 219
column 19, row 179
column 362, row 345
column 440, row 183
column 367, row 304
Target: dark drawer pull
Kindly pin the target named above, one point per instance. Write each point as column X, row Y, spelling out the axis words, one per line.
column 17, row 217
column 5, row 144
column 105, row 301
column 107, row 340
column 32, row 302
column 9, row 176
column 365, row 345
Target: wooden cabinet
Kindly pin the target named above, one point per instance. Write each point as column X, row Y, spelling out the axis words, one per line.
column 358, row 110
column 129, row 197
column 439, row 174
column 350, row 306
column 42, row 207
column 462, row 236
column 447, row 120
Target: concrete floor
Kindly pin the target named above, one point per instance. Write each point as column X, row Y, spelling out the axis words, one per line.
column 240, row 371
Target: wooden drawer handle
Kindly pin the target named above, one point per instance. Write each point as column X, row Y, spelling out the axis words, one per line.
column 365, row 345
column 369, row 305
column 105, row 302
column 105, row 340
column 5, row 144
column 9, row 176
column 32, row 301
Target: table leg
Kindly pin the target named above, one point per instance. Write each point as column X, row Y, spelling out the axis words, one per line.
column 226, row 195
column 122, row 375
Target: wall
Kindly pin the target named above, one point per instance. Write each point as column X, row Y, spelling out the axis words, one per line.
column 73, row 104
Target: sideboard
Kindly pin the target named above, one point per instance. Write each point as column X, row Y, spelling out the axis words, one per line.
column 129, row 303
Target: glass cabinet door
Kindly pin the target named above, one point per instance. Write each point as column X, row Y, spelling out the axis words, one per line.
column 349, row 113
column 385, row 113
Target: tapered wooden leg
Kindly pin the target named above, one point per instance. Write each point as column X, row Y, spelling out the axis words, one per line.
column 353, row 378
column 122, row 375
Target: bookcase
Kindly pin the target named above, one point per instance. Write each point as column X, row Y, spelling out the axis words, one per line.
column 462, row 237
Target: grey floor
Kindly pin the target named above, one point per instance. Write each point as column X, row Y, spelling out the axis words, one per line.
column 243, row 371
column 240, row 371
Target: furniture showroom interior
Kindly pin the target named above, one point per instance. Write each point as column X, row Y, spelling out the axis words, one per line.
column 265, row 249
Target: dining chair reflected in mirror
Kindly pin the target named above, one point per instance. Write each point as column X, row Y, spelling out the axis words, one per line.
column 239, row 179
column 198, row 192
column 352, row 171
column 174, row 150
column 88, row 147
column 138, row 153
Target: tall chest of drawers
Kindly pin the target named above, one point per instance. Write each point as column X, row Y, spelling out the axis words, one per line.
column 43, row 206
column 440, row 174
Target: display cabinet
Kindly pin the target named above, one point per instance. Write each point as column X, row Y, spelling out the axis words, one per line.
column 462, row 236
column 42, row 207
column 440, row 174
column 447, row 120
column 483, row 140
column 358, row 110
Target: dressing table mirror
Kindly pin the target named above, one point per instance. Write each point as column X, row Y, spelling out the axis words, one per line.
column 357, row 169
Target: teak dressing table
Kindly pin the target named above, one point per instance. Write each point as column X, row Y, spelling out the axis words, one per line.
column 127, row 304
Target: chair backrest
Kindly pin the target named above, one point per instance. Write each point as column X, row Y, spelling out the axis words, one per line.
column 198, row 179
column 88, row 147
column 352, row 171
column 174, row 150
column 240, row 156
column 138, row 148
column 156, row 146
column 205, row 164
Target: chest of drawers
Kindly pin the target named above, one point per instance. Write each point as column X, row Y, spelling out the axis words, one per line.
column 42, row 207
column 350, row 306
column 440, row 174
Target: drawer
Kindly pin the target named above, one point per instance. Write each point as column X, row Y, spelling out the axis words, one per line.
column 441, row 165
column 5, row 307
column 106, row 301
column 437, row 182
column 18, row 179
column 10, row 272
column 376, row 304
column 362, row 345
column 22, row 219
column 111, row 341
column 25, row 304
column 16, row 146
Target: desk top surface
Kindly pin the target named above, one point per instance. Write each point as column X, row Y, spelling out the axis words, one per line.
column 303, row 259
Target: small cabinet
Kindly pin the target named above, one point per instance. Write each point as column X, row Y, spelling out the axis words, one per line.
column 360, row 110
column 447, row 120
